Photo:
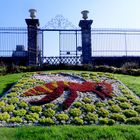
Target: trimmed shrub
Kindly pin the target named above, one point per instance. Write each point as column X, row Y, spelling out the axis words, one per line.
column 16, row 120
column 62, row 117
column 4, row 116
column 22, row 104
column 12, row 94
column 2, row 104
column 103, row 121
column 77, row 104
column 36, row 109
column 49, row 112
column 13, row 100
column 87, row 100
column 103, row 112
column 110, row 102
column 133, row 120
column 75, row 112
column 115, row 108
column 125, row 105
column 100, row 104
column 46, row 121
column 130, row 113
column 77, row 121
column 118, row 117
column 20, row 112
column 8, row 108
column 50, row 105
column 137, row 108
column 111, row 121
column 135, row 101
column 32, row 117
column 91, row 117
column 88, row 107
column 121, row 99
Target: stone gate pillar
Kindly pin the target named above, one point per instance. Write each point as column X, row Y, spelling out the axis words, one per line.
column 32, row 25
column 86, row 38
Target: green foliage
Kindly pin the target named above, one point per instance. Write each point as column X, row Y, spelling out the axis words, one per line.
column 50, row 105
column 36, row 109
column 46, row 121
column 130, row 113
column 49, row 112
column 2, row 103
column 118, row 117
column 32, row 117
column 77, row 121
column 111, row 102
column 137, row 108
column 115, row 108
column 12, row 94
column 125, row 105
column 8, row 108
column 121, row 98
column 103, row 121
column 100, row 104
column 62, row 117
column 103, row 112
column 13, row 100
column 16, row 120
column 111, row 121
column 22, row 104
column 88, row 107
column 20, row 112
column 77, row 104
column 133, row 120
column 4, row 116
column 91, row 117
column 136, row 101
column 87, row 100
column 75, row 112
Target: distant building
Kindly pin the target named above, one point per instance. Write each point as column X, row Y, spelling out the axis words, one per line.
column 20, row 51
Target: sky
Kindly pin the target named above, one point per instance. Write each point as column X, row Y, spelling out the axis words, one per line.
column 104, row 13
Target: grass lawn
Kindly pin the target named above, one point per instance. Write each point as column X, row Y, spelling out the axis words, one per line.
column 71, row 133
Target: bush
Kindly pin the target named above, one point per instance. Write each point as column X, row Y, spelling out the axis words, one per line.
column 4, row 116
column 135, row 101
column 103, row 121
column 36, row 109
column 49, row 112
column 111, row 122
column 16, row 120
column 13, row 100
column 87, row 100
column 121, row 99
column 50, row 105
column 77, row 104
column 22, row 104
column 137, row 108
column 75, row 112
column 32, row 117
column 78, row 121
column 125, row 105
column 2, row 104
column 115, row 108
column 8, row 108
column 103, row 112
column 89, row 107
column 130, row 113
column 118, row 117
column 91, row 117
column 46, row 121
column 62, row 117
column 110, row 102
column 129, row 65
column 100, row 104
column 133, row 120
column 20, row 112
column 12, row 94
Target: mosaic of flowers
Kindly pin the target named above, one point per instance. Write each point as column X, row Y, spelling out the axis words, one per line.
column 69, row 98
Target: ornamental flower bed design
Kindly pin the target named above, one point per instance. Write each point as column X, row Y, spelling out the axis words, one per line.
column 55, row 90
column 38, row 99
